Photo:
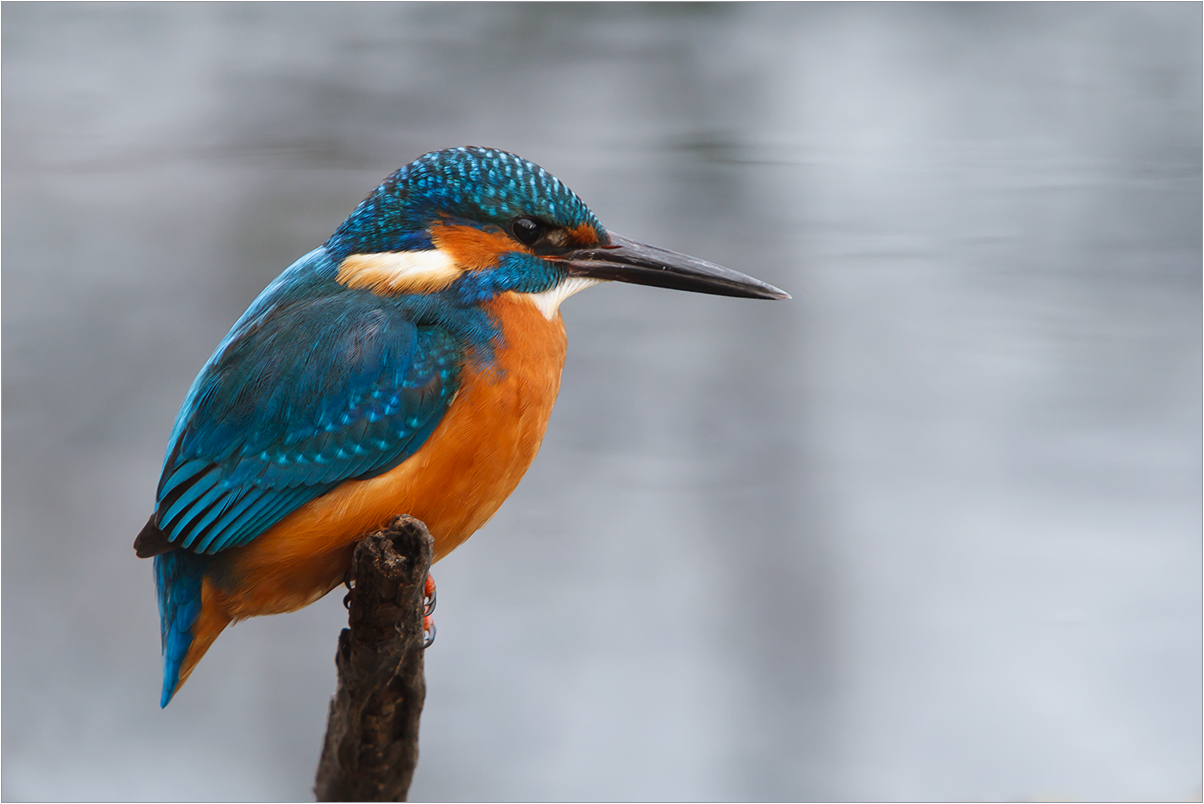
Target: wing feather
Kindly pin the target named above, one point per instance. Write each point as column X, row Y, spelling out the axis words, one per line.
column 301, row 396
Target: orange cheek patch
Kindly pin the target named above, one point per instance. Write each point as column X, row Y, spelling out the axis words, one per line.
column 583, row 235
column 471, row 248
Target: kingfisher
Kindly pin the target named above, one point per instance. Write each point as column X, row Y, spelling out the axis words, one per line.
column 407, row 366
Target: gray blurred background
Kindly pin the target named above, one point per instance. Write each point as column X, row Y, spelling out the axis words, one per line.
column 931, row 530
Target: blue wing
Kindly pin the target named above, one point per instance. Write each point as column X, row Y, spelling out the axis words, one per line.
column 310, row 389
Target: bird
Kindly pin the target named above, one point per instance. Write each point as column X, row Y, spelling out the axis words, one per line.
column 408, row 365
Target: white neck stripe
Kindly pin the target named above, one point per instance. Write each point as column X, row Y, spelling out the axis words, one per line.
column 399, row 271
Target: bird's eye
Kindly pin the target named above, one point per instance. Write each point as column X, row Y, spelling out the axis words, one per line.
column 527, row 231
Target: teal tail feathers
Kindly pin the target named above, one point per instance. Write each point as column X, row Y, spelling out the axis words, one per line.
column 178, row 580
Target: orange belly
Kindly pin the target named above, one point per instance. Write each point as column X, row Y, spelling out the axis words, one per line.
column 457, row 480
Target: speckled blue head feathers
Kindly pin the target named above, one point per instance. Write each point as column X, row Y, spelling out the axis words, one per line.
column 468, row 185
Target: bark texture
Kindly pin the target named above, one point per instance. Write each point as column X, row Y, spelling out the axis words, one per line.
column 371, row 746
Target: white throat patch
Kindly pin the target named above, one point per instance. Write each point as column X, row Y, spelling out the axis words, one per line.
column 549, row 300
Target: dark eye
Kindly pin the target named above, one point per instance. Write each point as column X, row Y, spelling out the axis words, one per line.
column 527, row 231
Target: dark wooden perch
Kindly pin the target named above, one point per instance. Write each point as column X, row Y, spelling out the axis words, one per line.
column 371, row 746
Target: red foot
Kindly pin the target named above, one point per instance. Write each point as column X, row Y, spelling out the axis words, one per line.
column 428, row 621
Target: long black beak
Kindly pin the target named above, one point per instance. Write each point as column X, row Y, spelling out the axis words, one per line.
column 626, row 260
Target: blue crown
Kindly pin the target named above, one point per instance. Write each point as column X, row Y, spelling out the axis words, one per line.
column 469, row 185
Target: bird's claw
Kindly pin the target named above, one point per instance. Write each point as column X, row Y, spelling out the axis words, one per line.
column 428, row 594
column 428, row 608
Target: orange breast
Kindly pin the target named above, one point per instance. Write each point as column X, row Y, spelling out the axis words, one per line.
column 468, row 466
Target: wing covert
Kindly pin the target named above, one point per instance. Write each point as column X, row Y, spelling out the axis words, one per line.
column 297, row 400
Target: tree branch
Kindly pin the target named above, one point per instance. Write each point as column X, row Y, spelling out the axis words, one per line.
column 371, row 746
